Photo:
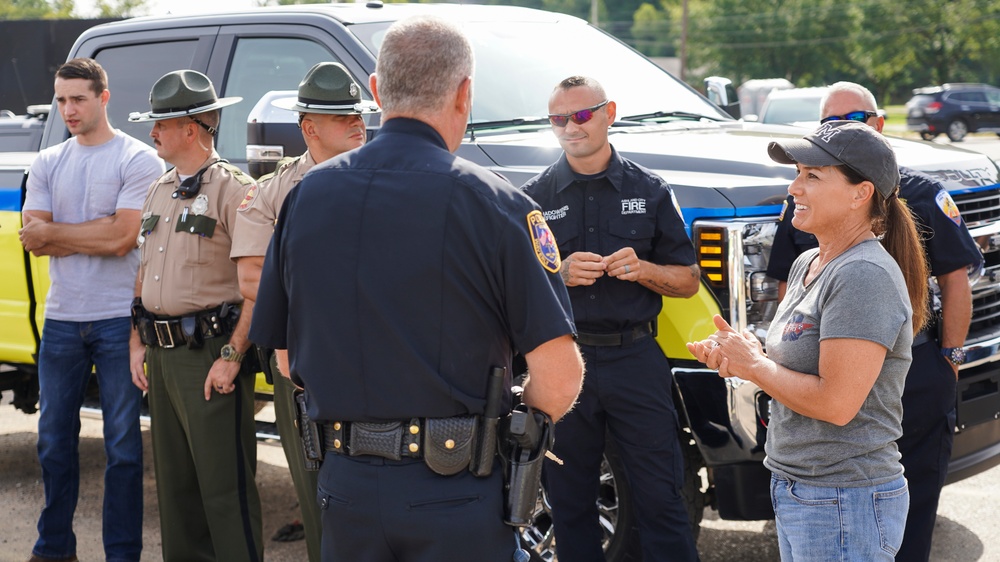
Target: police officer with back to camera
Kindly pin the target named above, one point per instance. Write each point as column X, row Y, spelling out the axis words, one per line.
column 400, row 276
column 330, row 109
column 624, row 247
column 929, row 393
column 191, row 334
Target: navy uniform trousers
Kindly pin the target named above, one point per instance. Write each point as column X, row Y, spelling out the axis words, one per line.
column 928, row 428
column 379, row 510
column 627, row 393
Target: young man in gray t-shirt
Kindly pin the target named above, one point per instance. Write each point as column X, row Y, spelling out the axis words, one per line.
column 82, row 210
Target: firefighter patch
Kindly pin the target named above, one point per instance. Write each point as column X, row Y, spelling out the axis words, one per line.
column 948, row 207
column 543, row 242
column 248, row 198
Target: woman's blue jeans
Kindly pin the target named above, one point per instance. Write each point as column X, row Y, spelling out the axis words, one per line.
column 839, row 524
column 69, row 352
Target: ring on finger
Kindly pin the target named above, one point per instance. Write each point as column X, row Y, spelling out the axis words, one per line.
column 626, row 268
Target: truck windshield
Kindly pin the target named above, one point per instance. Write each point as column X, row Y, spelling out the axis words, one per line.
column 518, row 63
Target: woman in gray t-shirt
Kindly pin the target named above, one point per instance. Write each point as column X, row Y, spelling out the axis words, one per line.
column 837, row 351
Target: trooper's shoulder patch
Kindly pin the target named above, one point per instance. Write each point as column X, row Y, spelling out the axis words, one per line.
column 543, row 242
column 248, row 199
column 948, row 206
column 784, row 207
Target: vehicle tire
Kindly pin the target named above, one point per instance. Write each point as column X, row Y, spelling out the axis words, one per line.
column 957, row 130
column 931, row 136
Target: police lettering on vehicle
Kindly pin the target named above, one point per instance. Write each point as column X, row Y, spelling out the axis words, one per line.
column 543, row 241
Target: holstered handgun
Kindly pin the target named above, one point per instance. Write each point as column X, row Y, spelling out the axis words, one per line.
column 309, row 432
column 528, row 435
column 486, row 438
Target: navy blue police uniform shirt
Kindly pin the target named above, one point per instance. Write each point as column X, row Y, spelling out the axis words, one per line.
column 624, row 206
column 399, row 274
column 946, row 240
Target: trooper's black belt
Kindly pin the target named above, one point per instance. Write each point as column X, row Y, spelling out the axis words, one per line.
column 170, row 331
column 615, row 338
column 445, row 444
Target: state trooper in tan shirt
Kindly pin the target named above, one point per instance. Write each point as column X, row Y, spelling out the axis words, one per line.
column 191, row 334
column 330, row 108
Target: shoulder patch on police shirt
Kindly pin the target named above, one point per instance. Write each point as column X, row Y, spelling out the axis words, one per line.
column 543, row 242
column 251, row 194
column 948, row 206
column 784, row 207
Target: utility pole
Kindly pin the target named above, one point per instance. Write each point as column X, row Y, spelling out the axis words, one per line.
column 684, row 38
column 593, row 12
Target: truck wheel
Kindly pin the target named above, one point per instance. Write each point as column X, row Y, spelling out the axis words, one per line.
column 957, row 130
column 929, row 136
column 621, row 535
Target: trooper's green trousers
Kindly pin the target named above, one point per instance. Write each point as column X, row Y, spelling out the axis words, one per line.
column 303, row 480
column 205, row 454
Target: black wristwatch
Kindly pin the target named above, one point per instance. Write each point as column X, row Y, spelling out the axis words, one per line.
column 954, row 354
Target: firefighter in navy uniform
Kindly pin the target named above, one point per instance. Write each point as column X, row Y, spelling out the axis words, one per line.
column 399, row 276
column 623, row 245
column 330, row 108
column 929, row 393
column 191, row 334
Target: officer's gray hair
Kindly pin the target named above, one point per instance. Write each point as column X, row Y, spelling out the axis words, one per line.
column 856, row 89
column 421, row 63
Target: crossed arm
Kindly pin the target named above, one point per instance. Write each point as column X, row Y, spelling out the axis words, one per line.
column 114, row 235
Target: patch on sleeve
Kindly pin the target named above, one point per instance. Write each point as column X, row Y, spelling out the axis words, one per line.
column 784, row 207
column 248, row 198
column 948, row 207
column 544, row 242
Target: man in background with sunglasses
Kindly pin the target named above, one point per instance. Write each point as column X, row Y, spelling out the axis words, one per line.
column 191, row 334
column 624, row 247
column 929, row 394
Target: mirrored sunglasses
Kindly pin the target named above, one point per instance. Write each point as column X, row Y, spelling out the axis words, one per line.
column 859, row 116
column 580, row 117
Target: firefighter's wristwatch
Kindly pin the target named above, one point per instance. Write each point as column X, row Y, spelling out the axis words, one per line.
column 229, row 353
column 954, row 354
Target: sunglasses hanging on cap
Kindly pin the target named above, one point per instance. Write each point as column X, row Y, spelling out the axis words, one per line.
column 192, row 185
column 579, row 117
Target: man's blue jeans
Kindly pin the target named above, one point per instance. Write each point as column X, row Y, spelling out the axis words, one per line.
column 839, row 524
column 69, row 351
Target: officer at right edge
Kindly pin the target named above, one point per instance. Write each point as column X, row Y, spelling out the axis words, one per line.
column 929, row 393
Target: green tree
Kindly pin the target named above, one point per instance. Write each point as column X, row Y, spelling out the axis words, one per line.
column 35, row 9
column 652, row 32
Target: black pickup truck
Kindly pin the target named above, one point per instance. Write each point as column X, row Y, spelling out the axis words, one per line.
column 729, row 191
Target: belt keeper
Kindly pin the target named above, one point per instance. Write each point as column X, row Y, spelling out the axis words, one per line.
column 333, row 437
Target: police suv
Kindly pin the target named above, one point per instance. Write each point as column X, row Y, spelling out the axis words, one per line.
column 729, row 191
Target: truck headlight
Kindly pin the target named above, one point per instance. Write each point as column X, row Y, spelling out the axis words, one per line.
column 733, row 258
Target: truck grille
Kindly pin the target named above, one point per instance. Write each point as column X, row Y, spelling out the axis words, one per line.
column 981, row 209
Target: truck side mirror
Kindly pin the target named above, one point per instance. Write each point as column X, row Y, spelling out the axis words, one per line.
column 272, row 134
column 720, row 91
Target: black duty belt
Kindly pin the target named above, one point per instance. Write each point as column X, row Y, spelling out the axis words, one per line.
column 445, row 444
column 615, row 339
column 174, row 331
